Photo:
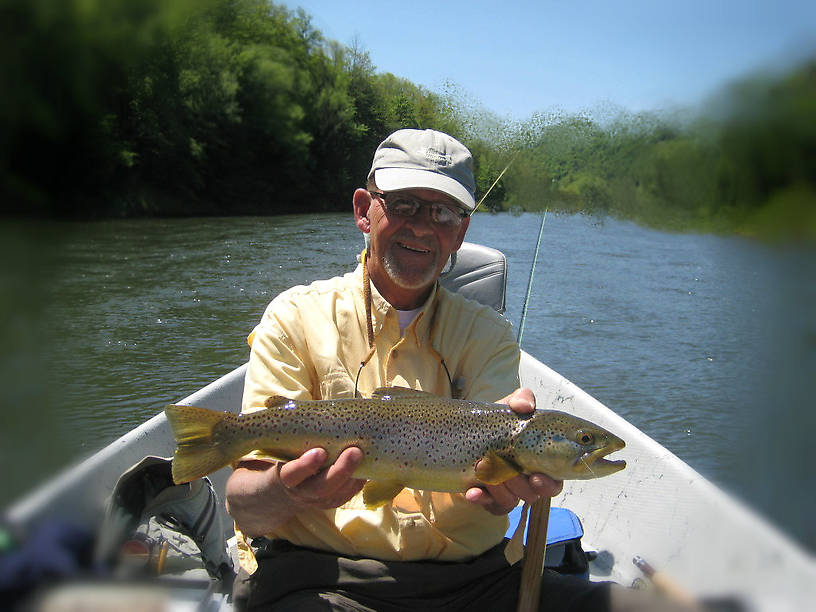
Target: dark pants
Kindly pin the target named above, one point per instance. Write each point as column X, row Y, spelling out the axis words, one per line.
column 293, row 578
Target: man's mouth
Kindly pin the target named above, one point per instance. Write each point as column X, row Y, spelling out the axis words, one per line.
column 413, row 248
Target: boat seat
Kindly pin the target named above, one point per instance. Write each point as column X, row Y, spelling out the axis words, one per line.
column 478, row 273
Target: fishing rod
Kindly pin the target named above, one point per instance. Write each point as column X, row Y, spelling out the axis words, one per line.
column 530, row 280
column 498, row 178
column 452, row 260
column 535, row 256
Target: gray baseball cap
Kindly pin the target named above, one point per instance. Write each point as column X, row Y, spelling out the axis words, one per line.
column 425, row 159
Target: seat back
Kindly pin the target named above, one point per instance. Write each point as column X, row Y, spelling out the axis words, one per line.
column 478, row 273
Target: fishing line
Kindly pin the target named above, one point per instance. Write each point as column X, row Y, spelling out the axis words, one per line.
column 587, row 466
column 498, row 178
column 530, row 281
column 538, row 246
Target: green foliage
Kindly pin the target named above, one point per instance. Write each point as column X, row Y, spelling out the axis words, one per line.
column 123, row 107
column 188, row 107
column 748, row 165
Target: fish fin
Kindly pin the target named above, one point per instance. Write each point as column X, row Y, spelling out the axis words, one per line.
column 382, row 392
column 275, row 454
column 276, row 400
column 196, row 455
column 514, row 551
column 492, row 469
column 378, row 493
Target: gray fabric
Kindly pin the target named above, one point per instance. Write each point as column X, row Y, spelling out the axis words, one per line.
column 183, row 557
column 145, row 502
column 478, row 273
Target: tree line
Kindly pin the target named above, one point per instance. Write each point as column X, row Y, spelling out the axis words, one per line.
column 745, row 163
column 222, row 107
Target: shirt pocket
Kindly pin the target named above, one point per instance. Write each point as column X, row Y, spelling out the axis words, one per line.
column 336, row 384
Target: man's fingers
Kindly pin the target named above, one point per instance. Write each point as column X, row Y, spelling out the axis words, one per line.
column 521, row 401
column 347, row 462
column 495, row 499
column 340, row 471
column 545, row 486
column 478, row 496
column 328, row 483
column 503, row 497
column 522, row 488
column 342, row 495
column 325, row 485
column 294, row 472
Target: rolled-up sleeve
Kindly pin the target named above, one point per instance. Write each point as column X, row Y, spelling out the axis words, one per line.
column 278, row 363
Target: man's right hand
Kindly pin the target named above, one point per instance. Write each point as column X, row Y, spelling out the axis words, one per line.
column 262, row 495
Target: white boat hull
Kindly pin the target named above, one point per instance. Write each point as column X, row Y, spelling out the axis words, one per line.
column 664, row 511
column 657, row 508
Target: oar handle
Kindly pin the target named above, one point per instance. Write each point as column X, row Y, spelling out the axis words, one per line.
column 664, row 583
column 534, row 551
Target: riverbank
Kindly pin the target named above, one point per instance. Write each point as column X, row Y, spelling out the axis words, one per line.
column 244, row 107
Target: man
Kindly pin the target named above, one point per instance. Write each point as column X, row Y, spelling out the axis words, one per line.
column 388, row 323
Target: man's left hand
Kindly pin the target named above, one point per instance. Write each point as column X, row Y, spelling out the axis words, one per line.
column 502, row 498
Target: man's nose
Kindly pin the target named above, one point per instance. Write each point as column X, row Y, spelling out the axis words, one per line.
column 421, row 222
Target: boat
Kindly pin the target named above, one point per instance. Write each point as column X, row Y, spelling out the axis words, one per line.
column 659, row 509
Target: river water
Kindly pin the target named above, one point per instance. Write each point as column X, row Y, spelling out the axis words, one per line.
column 706, row 343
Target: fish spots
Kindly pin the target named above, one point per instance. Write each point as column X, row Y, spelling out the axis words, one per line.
column 406, row 434
column 424, row 441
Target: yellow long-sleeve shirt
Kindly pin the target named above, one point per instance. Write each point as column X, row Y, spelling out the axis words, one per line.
column 309, row 345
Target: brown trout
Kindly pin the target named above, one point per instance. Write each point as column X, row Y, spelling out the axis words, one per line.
column 408, row 438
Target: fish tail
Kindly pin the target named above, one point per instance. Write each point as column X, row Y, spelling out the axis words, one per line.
column 196, row 454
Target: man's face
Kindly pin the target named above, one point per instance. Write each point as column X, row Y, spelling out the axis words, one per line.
column 406, row 254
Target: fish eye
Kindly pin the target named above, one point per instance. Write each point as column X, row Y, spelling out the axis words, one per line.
column 586, row 438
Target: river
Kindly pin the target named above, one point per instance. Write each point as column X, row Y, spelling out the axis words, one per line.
column 706, row 343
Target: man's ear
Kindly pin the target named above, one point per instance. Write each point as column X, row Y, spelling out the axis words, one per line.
column 361, row 201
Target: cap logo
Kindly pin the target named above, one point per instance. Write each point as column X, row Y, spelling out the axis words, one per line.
column 436, row 157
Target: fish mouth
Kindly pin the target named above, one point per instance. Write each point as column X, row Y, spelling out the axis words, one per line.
column 596, row 463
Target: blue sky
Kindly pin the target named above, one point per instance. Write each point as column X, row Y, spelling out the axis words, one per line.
column 518, row 57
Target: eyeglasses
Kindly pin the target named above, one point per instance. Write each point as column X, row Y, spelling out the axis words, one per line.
column 404, row 205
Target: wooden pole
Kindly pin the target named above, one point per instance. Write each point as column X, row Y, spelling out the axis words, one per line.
column 536, row 547
column 534, row 551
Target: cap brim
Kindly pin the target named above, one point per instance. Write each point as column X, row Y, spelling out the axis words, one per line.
column 394, row 179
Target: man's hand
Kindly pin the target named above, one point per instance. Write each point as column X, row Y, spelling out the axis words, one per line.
column 262, row 495
column 307, row 486
column 501, row 499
